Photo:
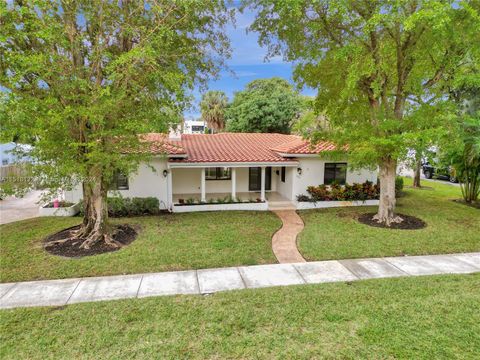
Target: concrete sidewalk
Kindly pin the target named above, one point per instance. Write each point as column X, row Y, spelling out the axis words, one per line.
column 69, row 291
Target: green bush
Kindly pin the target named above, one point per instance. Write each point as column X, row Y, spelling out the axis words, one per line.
column 335, row 192
column 398, row 186
column 120, row 206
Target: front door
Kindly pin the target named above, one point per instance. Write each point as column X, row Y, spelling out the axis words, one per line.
column 255, row 178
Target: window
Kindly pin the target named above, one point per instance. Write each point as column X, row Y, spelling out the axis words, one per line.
column 218, row 173
column 282, row 177
column 335, row 173
column 120, row 181
column 198, row 128
column 4, row 161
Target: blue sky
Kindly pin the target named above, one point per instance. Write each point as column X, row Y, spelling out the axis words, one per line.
column 247, row 62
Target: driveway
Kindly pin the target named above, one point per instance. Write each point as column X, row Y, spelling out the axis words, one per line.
column 15, row 209
column 403, row 171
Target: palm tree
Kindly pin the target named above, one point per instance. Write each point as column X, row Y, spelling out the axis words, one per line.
column 213, row 107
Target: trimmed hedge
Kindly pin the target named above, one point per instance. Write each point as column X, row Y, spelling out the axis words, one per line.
column 398, row 186
column 359, row 192
column 120, row 206
column 335, row 192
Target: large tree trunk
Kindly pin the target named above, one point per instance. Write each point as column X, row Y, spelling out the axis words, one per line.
column 95, row 227
column 386, row 208
column 417, row 169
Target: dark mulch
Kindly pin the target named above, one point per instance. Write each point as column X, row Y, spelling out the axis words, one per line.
column 408, row 223
column 124, row 234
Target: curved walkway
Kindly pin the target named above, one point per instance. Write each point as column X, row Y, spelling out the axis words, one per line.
column 284, row 241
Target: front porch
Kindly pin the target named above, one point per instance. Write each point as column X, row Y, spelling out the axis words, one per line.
column 270, row 196
column 242, row 184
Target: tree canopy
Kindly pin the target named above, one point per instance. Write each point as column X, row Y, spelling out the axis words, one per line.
column 85, row 77
column 372, row 62
column 266, row 106
column 213, row 107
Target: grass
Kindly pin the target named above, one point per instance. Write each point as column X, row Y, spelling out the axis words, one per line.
column 165, row 242
column 451, row 227
column 404, row 318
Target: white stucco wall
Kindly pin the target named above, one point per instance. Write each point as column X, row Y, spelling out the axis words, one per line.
column 146, row 182
column 313, row 175
column 285, row 188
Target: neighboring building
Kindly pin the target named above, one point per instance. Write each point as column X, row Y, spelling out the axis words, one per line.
column 206, row 167
column 194, row 127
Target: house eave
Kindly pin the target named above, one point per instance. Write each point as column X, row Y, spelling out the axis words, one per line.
column 232, row 164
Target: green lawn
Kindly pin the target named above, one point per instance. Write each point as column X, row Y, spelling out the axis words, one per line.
column 404, row 318
column 165, row 242
column 451, row 227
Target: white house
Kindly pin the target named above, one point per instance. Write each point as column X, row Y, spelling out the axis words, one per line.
column 194, row 127
column 268, row 169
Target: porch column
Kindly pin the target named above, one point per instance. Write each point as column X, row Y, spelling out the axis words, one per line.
column 262, row 188
column 234, row 183
column 169, row 189
column 202, row 186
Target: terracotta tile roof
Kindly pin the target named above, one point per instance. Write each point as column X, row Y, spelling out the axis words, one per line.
column 299, row 146
column 234, row 147
column 161, row 144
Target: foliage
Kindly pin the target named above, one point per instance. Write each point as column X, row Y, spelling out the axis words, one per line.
column 213, row 106
column 464, row 156
column 123, row 206
column 335, row 192
column 373, row 64
column 84, row 78
column 265, row 106
column 398, row 186
column 228, row 199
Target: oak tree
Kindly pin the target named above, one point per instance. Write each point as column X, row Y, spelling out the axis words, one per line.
column 371, row 61
column 85, row 77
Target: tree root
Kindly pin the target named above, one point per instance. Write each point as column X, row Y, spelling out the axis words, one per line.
column 387, row 220
column 86, row 243
column 96, row 237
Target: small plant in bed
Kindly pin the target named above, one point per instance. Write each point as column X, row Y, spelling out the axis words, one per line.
column 61, row 204
column 336, row 192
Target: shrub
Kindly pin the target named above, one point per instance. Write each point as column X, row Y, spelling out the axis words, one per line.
column 120, row 206
column 303, row 198
column 398, row 186
column 335, row 192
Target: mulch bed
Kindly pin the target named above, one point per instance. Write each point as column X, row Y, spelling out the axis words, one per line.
column 125, row 234
column 408, row 223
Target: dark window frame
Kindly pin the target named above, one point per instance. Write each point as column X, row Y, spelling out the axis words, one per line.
column 120, row 181
column 283, row 171
column 337, row 178
column 198, row 128
column 218, row 174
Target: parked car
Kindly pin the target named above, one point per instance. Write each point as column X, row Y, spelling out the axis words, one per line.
column 444, row 173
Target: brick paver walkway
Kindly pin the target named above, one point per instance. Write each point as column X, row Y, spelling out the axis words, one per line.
column 284, row 241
